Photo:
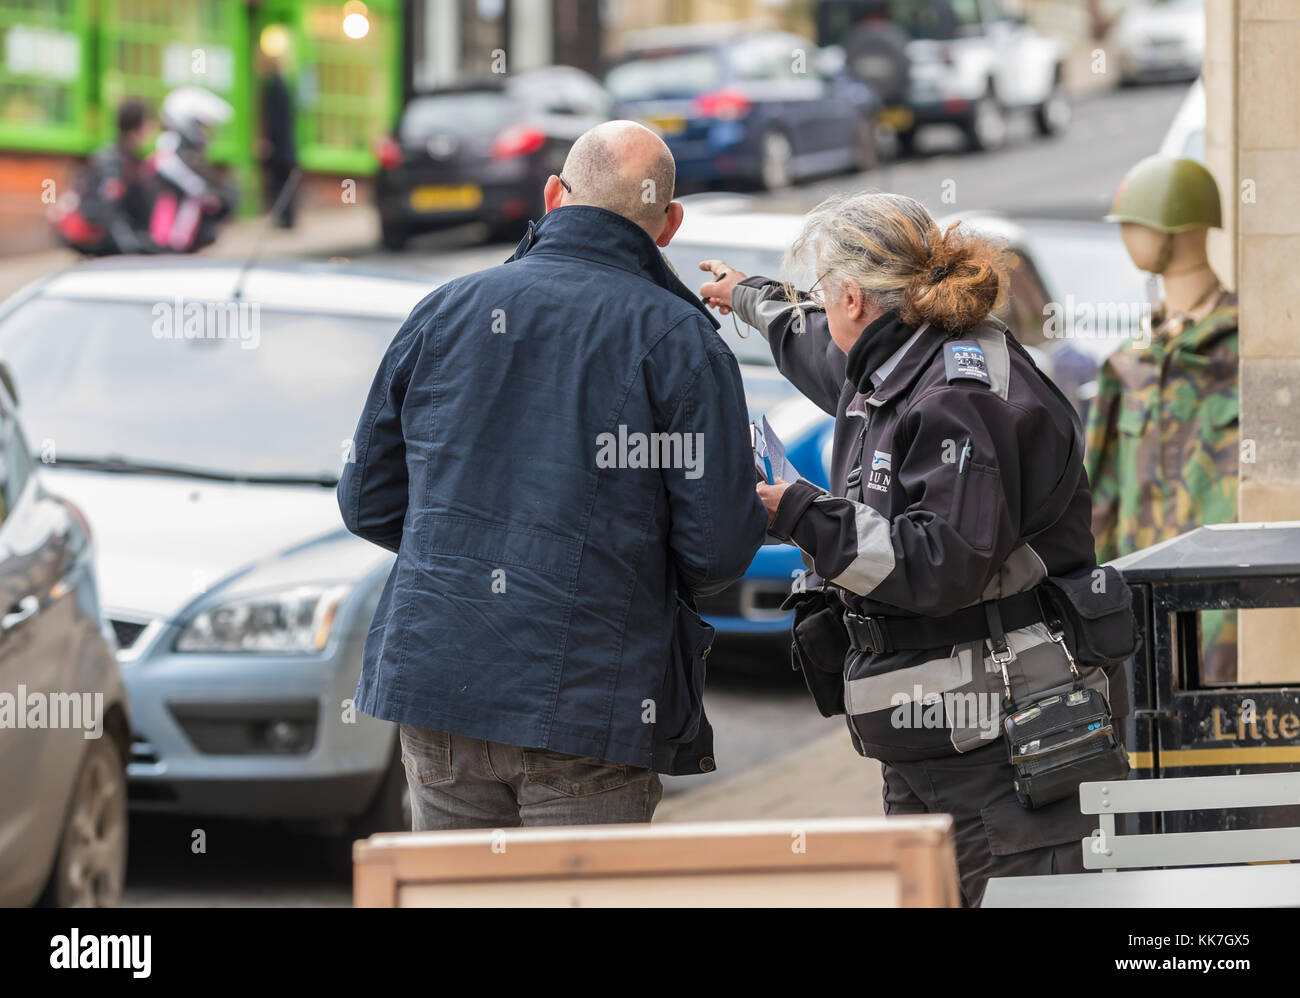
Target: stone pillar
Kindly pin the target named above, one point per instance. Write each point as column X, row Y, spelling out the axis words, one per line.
column 1252, row 80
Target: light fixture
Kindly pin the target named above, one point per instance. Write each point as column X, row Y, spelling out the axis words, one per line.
column 356, row 20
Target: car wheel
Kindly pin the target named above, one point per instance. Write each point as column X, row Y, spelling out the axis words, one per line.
column 868, row 154
column 876, row 54
column 90, row 867
column 1053, row 115
column 776, row 163
column 986, row 127
column 393, row 237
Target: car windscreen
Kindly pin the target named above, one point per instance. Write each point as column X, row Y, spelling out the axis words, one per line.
column 457, row 114
column 748, row 346
column 666, row 75
column 97, row 381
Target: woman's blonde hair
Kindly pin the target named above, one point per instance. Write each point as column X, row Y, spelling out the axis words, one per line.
column 889, row 245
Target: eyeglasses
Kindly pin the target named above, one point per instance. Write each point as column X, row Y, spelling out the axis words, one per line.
column 569, row 188
column 816, row 295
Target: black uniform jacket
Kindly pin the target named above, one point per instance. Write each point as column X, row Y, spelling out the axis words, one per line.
column 959, row 443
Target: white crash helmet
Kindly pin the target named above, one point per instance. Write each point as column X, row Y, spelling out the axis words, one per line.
column 192, row 112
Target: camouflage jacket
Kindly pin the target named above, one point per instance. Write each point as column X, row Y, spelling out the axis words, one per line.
column 1162, row 446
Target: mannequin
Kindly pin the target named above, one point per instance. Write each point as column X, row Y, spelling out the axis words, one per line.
column 1181, row 259
column 1163, row 437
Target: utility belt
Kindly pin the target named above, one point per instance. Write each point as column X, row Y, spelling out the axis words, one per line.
column 882, row 635
column 1059, row 733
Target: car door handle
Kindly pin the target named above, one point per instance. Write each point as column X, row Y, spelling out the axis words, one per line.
column 20, row 611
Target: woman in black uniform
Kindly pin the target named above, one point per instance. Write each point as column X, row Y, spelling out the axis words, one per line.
column 950, row 451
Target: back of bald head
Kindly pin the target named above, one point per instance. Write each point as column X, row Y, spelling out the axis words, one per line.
column 623, row 167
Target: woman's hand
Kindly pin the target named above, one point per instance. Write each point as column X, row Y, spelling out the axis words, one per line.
column 771, row 496
column 717, row 292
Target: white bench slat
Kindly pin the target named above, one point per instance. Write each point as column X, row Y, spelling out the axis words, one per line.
column 1190, row 793
column 1238, row 845
column 1216, row 887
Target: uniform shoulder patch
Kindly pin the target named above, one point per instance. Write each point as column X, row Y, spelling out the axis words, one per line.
column 964, row 359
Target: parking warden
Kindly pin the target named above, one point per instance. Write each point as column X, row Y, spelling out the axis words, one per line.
column 951, row 451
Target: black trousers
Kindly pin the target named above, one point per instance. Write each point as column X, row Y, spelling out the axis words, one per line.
column 995, row 835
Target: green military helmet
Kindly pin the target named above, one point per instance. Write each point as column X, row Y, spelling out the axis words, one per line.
column 1168, row 195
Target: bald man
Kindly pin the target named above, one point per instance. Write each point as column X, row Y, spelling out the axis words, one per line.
column 623, row 167
column 557, row 450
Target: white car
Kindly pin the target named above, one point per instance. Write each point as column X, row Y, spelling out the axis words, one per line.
column 1186, row 136
column 970, row 63
column 1161, row 40
column 199, row 415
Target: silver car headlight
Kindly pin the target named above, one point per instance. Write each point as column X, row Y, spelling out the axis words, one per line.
column 295, row 621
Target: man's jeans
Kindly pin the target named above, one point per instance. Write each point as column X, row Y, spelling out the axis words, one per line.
column 459, row 782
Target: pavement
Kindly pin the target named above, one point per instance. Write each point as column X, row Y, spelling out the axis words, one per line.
column 823, row 779
column 324, row 232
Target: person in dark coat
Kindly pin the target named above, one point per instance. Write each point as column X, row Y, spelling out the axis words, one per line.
column 114, row 193
column 557, row 449
column 279, row 150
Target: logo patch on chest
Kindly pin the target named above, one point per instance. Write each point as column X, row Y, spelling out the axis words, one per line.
column 965, row 359
column 880, row 468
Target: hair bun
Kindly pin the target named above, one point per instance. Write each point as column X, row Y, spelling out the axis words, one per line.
column 959, row 285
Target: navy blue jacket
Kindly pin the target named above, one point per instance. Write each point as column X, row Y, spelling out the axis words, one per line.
column 505, row 455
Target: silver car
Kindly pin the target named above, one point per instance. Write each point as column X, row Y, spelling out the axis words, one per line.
column 63, row 716
column 200, row 414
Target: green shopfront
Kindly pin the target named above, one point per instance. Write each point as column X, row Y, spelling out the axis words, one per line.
column 65, row 65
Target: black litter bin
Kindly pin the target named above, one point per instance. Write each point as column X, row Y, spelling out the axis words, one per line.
column 1181, row 726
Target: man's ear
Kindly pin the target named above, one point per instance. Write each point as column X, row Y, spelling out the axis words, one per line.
column 671, row 224
column 552, row 193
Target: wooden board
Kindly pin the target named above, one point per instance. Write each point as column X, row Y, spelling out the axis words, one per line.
column 882, row 862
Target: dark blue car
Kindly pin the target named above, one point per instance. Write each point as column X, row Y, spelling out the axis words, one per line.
column 751, row 108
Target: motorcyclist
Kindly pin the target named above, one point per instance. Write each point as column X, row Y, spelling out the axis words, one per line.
column 108, row 210
column 191, row 198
